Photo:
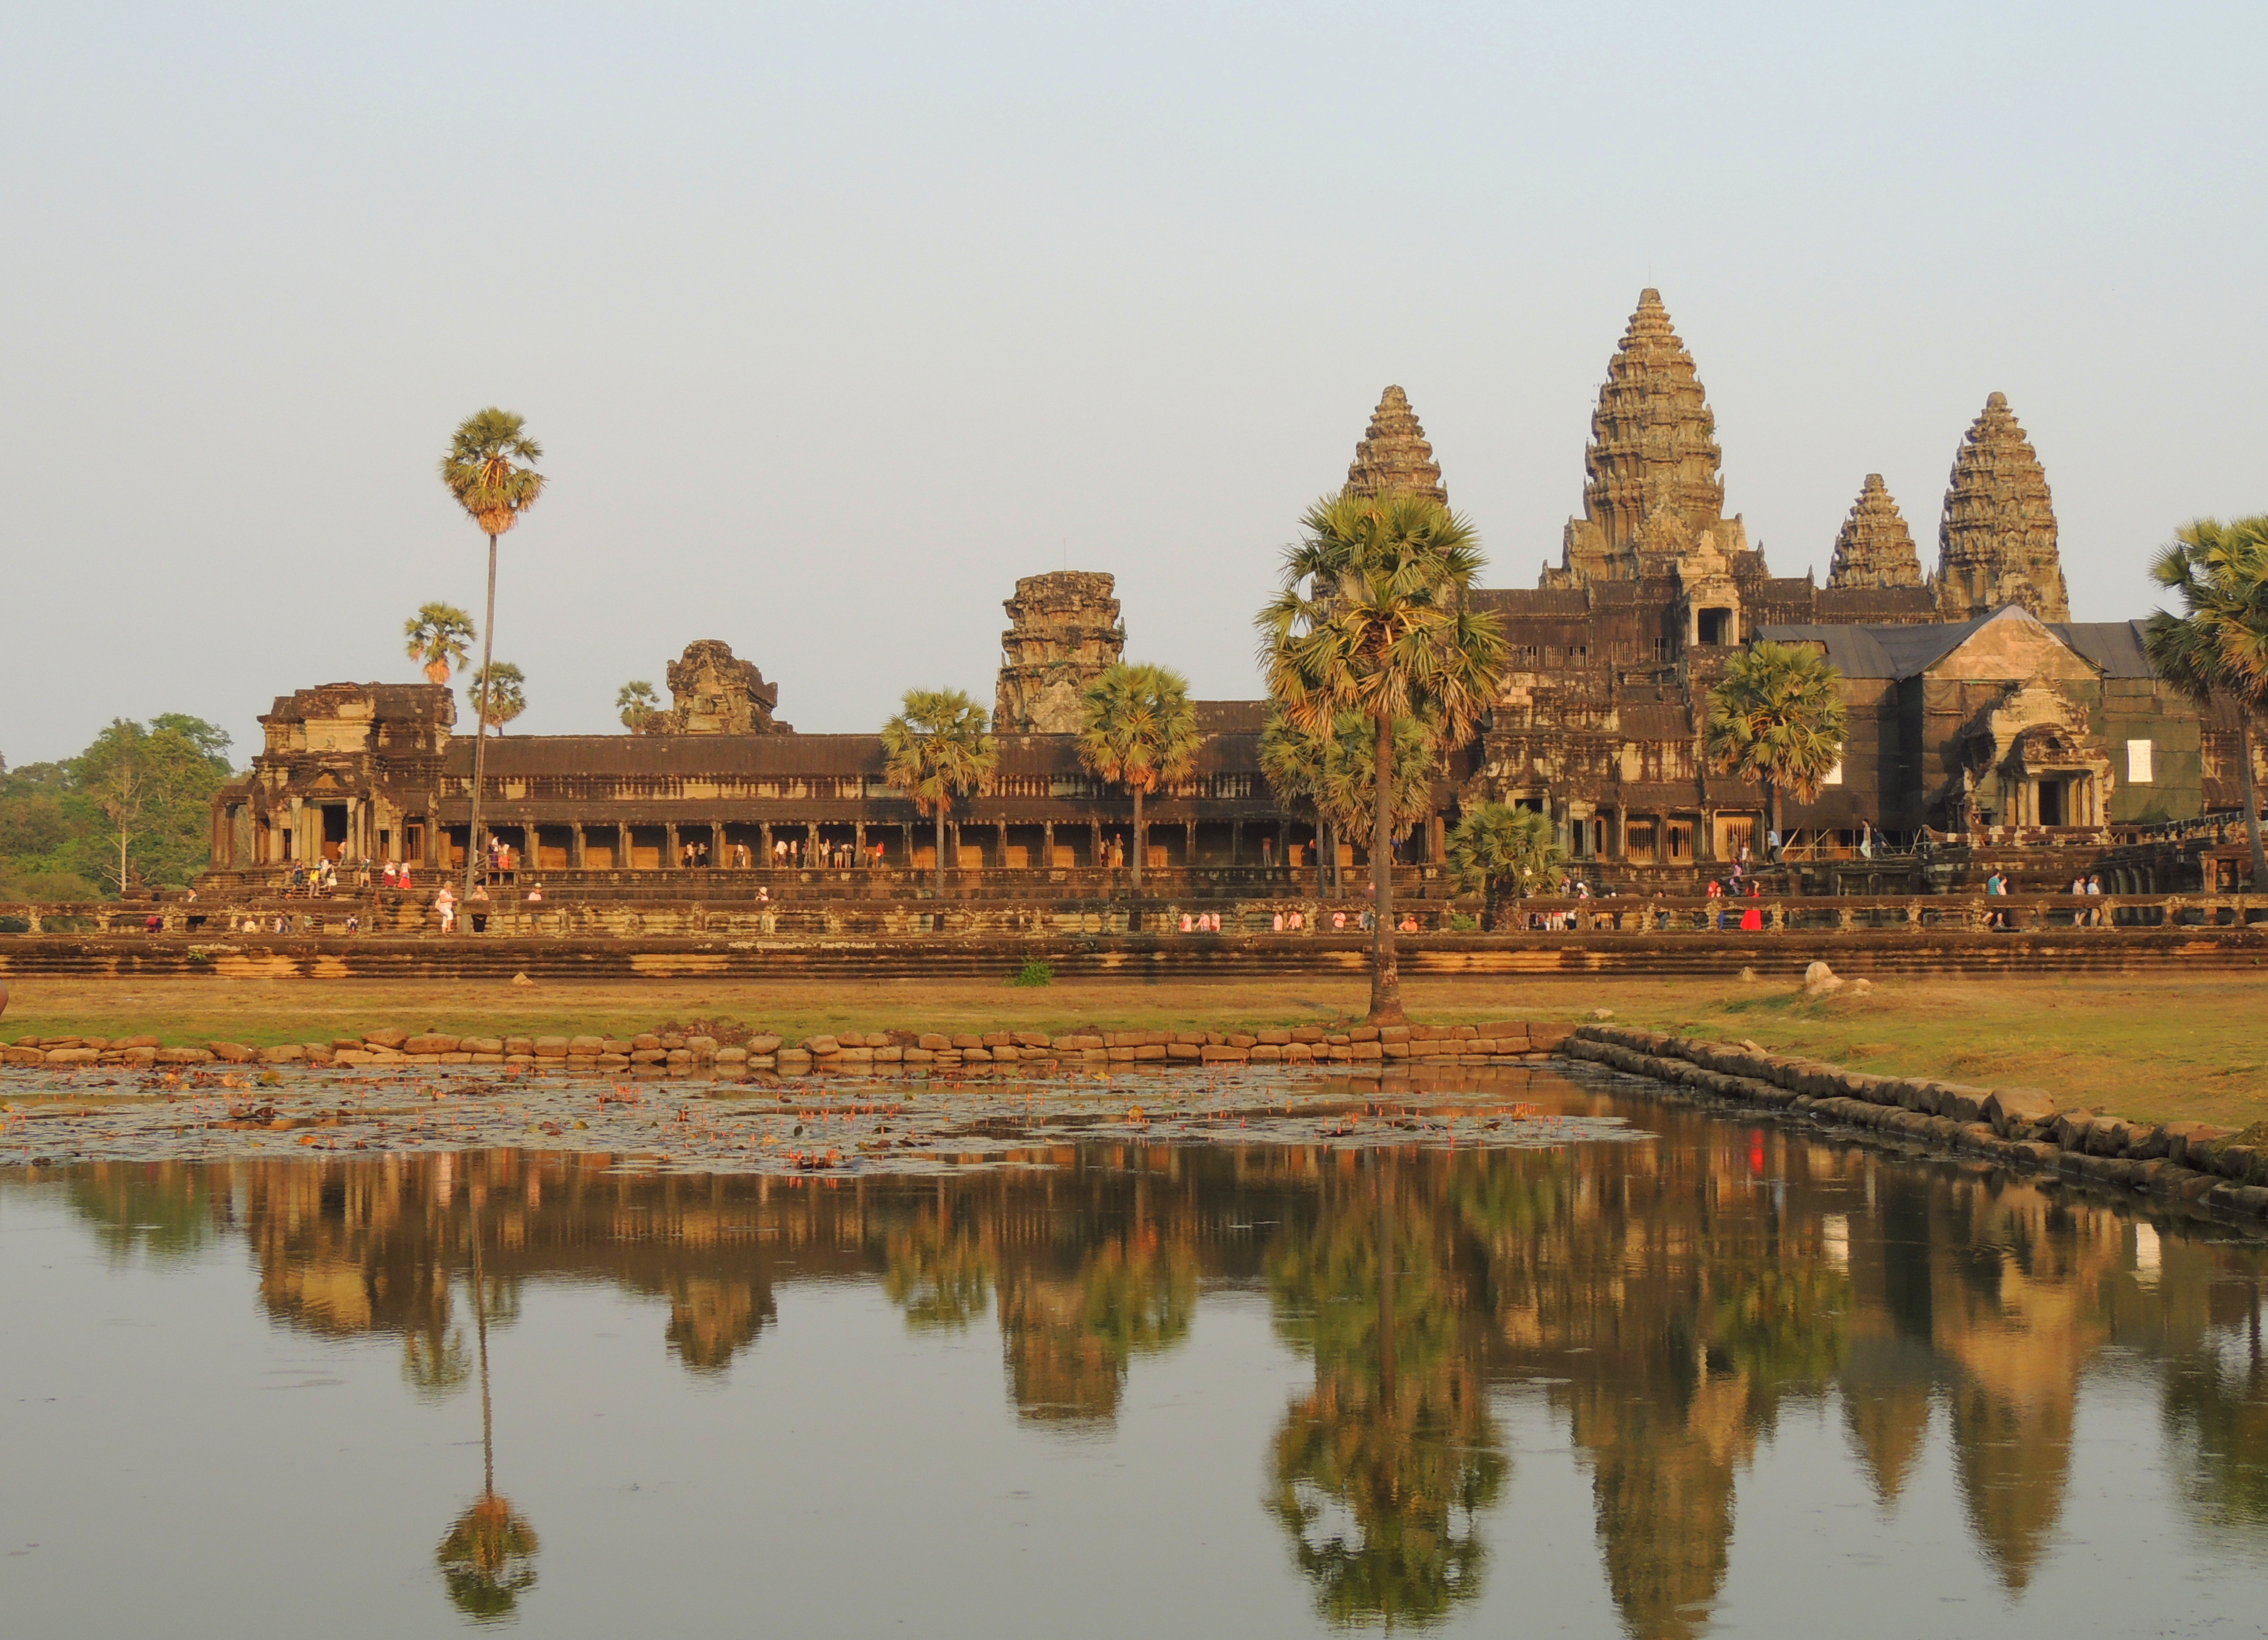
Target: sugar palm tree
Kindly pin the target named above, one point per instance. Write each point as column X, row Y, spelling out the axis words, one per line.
column 1777, row 717
column 438, row 634
column 636, row 702
column 1374, row 619
column 500, row 694
column 1497, row 849
column 2218, row 649
column 1139, row 732
column 937, row 745
column 490, row 470
column 1332, row 776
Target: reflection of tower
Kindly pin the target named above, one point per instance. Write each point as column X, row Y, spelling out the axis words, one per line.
column 488, row 1559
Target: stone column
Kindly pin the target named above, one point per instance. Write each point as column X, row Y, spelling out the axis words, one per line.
column 1189, row 844
column 1236, row 843
column 858, row 841
column 672, row 857
column 1048, row 844
column 576, row 846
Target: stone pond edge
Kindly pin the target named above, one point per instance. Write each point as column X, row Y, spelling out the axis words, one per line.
column 2181, row 1161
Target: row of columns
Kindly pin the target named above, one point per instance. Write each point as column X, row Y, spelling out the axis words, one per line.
column 909, row 834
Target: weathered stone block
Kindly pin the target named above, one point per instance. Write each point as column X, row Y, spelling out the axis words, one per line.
column 429, row 1043
column 282, row 1054
column 231, row 1053
column 2013, row 1110
column 551, row 1047
column 391, row 1037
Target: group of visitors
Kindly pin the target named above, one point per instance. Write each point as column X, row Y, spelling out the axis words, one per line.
column 1201, row 922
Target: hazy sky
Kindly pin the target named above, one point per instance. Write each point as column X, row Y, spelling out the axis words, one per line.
column 835, row 319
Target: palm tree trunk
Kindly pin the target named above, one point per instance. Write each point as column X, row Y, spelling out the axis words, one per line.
column 481, row 737
column 2251, row 798
column 1135, row 852
column 941, row 851
column 1385, row 966
column 481, row 1323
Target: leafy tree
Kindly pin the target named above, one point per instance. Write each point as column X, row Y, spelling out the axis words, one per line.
column 1332, row 776
column 1139, row 732
column 1778, row 719
column 153, row 785
column 636, row 701
column 2218, row 649
column 938, row 745
column 1374, row 619
column 500, row 693
column 438, row 634
column 1500, row 849
column 490, row 470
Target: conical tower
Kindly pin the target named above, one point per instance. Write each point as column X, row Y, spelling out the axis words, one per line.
column 1653, row 462
column 1875, row 550
column 1394, row 457
column 1997, row 542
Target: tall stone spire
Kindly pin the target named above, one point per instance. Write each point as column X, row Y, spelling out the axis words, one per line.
column 1997, row 542
column 1653, row 487
column 1875, row 550
column 1394, row 456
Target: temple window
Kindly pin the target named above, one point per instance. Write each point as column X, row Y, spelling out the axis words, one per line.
column 2138, row 762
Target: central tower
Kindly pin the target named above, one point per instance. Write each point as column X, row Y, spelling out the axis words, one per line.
column 1652, row 495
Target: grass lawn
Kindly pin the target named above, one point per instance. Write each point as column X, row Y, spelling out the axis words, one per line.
column 2191, row 1047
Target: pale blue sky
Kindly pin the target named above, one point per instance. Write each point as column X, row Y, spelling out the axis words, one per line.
column 835, row 320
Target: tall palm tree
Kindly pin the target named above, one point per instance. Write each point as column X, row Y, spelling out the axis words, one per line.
column 2219, row 649
column 1777, row 717
column 491, row 469
column 1374, row 619
column 1140, row 732
column 1332, row 775
column 938, row 745
column 438, row 634
column 1496, row 847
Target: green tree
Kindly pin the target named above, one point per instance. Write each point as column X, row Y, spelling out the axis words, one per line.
column 1500, row 849
column 490, row 470
column 152, row 786
column 937, row 745
column 2218, row 649
column 1139, row 731
column 1374, row 619
column 1332, row 776
column 1777, row 717
column 500, row 693
column 638, row 702
column 438, row 634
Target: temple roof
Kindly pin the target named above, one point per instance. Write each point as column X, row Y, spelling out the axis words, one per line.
column 1394, row 457
column 2113, row 647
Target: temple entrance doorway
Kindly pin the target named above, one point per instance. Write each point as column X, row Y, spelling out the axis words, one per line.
column 335, row 832
column 647, row 843
column 2051, row 803
column 1679, row 835
column 1733, row 833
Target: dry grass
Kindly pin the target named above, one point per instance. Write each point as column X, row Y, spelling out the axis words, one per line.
column 2179, row 1045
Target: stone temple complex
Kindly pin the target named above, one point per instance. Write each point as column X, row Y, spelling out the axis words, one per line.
column 1976, row 705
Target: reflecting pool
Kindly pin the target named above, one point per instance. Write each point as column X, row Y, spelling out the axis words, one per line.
column 1729, row 1378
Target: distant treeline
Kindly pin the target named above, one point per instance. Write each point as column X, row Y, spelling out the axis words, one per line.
column 131, row 811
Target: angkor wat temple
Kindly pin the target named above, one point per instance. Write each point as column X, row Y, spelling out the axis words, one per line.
column 1976, row 706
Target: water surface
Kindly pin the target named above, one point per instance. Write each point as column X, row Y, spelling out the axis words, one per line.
column 1730, row 1379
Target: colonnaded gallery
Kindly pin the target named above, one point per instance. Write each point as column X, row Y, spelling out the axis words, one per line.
column 1975, row 704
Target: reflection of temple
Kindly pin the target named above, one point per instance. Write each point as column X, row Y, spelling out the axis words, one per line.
column 1673, row 1296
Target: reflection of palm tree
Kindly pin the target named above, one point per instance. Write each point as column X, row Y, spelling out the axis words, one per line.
column 2222, row 1409
column 1381, row 1472
column 939, row 1273
column 488, row 1559
column 1068, row 1343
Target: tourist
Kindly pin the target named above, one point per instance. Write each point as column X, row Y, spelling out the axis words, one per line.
column 1409, row 923
column 1188, row 921
column 1278, row 925
column 534, row 893
column 1866, row 841
column 1771, row 845
column 445, row 903
column 354, row 925
column 1297, row 921
column 1752, row 920
column 1338, row 921
column 404, row 883
column 1268, row 855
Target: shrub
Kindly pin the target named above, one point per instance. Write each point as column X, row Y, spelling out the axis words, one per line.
column 1460, row 924
column 1035, row 972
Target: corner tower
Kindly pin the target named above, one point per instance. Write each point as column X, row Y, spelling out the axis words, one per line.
column 1064, row 632
column 1997, row 541
column 1652, row 491
column 1394, row 457
column 1875, row 550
